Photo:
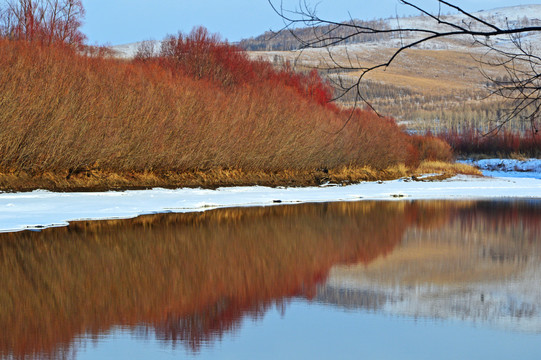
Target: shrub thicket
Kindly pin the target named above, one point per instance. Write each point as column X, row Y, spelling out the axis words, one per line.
column 199, row 104
column 504, row 143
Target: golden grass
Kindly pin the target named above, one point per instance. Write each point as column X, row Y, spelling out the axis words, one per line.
column 445, row 169
column 518, row 156
column 427, row 71
column 419, row 86
column 98, row 180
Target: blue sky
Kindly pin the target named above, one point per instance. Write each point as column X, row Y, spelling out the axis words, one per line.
column 123, row 21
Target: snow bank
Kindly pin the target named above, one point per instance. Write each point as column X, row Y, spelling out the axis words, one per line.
column 39, row 209
column 508, row 167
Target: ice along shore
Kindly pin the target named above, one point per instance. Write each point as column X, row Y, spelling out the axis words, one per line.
column 40, row 209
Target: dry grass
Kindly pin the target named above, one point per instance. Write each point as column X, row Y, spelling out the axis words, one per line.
column 446, row 169
column 97, row 180
column 348, row 174
column 446, row 72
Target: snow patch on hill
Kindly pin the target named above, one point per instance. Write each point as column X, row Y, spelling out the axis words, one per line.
column 128, row 51
column 512, row 12
column 503, row 18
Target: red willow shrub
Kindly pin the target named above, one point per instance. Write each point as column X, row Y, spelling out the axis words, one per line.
column 43, row 21
column 202, row 55
column 470, row 141
column 429, row 147
column 201, row 104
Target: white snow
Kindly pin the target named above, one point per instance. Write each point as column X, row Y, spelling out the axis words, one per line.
column 38, row 209
column 508, row 167
column 532, row 11
column 128, row 51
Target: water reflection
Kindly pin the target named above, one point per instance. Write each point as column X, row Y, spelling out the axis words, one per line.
column 482, row 265
column 188, row 279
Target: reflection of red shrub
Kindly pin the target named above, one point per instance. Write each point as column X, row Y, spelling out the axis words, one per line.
column 189, row 277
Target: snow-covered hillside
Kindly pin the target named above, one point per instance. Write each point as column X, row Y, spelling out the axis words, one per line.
column 505, row 17
column 512, row 13
column 502, row 17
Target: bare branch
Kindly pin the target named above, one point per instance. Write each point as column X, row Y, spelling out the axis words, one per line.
column 522, row 65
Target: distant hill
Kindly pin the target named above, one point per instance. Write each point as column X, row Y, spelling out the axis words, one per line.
column 514, row 16
column 289, row 39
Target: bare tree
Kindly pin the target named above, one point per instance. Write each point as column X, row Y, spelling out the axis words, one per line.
column 521, row 85
column 146, row 50
column 46, row 21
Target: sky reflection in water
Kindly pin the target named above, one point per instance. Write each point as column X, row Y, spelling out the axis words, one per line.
column 315, row 331
column 381, row 280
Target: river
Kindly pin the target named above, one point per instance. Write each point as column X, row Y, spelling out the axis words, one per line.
column 367, row 279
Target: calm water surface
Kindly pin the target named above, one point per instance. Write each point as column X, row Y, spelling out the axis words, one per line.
column 374, row 280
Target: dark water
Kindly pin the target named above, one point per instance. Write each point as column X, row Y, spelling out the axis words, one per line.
column 376, row 280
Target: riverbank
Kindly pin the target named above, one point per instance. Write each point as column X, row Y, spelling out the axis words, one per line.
column 98, row 180
column 40, row 209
